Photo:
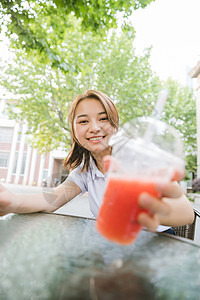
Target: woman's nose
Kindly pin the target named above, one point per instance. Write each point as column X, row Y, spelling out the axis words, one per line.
column 94, row 126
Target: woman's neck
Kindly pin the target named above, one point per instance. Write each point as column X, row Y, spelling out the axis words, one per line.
column 99, row 159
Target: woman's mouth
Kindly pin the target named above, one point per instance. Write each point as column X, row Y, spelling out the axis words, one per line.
column 95, row 138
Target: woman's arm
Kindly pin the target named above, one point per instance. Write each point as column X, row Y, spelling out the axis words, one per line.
column 44, row 201
column 174, row 209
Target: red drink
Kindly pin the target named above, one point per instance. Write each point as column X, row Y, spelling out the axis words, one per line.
column 117, row 218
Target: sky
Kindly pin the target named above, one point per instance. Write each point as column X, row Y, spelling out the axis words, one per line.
column 172, row 28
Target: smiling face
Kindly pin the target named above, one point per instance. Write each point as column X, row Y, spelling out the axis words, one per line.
column 92, row 127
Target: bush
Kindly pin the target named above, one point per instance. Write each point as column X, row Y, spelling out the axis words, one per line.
column 196, row 185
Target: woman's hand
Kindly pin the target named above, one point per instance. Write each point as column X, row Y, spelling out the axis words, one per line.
column 173, row 209
column 5, row 201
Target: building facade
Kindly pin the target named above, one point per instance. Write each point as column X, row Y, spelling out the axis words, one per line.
column 21, row 164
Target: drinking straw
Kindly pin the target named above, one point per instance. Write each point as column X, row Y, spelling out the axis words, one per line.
column 160, row 104
column 156, row 114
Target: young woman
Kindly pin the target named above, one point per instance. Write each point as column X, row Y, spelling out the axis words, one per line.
column 94, row 118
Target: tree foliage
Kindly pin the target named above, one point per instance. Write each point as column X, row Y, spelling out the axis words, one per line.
column 44, row 25
column 180, row 112
column 64, row 59
column 108, row 65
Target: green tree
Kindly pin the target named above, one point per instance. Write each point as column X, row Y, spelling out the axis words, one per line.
column 180, row 112
column 44, row 25
column 108, row 64
column 45, row 92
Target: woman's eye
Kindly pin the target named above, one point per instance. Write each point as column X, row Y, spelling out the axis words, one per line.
column 104, row 119
column 83, row 122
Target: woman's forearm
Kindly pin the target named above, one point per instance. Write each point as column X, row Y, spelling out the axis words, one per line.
column 46, row 201
column 29, row 203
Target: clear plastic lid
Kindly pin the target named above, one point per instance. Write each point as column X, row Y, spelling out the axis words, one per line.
column 147, row 147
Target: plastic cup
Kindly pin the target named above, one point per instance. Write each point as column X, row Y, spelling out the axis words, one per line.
column 144, row 153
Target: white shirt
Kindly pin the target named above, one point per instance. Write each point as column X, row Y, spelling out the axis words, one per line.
column 93, row 182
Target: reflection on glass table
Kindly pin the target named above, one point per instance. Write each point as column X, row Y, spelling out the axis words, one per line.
column 49, row 256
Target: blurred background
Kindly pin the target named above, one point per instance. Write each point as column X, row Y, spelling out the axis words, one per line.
column 51, row 51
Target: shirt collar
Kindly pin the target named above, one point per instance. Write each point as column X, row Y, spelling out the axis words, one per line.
column 95, row 172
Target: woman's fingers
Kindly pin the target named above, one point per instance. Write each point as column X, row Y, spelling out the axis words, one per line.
column 153, row 205
column 2, row 214
column 169, row 190
column 5, row 200
column 178, row 175
column 150, row 222
column 154, row 208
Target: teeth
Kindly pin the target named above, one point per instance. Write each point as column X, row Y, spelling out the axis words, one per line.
column 95, row 138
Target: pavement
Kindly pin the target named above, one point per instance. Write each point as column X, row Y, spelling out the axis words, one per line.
column 79, row 206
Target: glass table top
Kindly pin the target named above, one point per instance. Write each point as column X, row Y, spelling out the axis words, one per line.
column 48, row 256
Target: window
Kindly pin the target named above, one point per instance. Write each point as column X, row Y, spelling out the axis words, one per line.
column 6, row 134
column 45, row 174
column 23, row 163
column 4, row 157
